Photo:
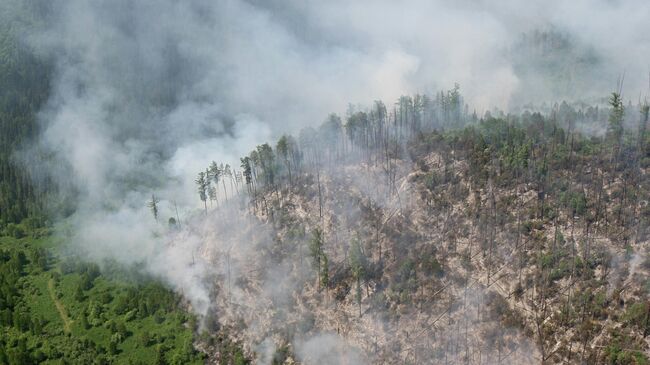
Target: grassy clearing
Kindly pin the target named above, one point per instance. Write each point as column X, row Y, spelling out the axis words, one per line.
column 59, row 306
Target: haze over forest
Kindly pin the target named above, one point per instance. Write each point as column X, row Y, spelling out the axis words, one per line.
column 325, row 182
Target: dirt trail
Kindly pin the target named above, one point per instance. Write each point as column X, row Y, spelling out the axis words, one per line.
column 59, row 306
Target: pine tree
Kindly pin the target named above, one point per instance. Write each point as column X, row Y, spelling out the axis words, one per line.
column 283, row 149
column 202, row 186
column 358, row 265
column 324, row 271
column 316, row 252
column 615, row 127
column 212, row 194
column 246, row 167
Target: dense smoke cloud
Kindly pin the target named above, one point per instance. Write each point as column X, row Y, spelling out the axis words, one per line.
column 149, row 90
column 147, row 93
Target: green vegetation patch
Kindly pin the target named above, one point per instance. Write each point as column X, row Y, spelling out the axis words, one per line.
column 55, row 311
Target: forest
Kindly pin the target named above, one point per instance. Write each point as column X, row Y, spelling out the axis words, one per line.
column 183, row 184
column 547, row 221
column 20, row 200
column 56, row 307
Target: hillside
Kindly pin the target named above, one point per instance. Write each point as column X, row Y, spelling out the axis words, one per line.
column 174, row 191
column 515, row 239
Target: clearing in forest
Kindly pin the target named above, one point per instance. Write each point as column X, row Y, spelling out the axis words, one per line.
column 59, row 306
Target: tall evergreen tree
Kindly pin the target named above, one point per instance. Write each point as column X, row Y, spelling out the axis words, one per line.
column 615, row 126
column 316, row 252
column 202, row 188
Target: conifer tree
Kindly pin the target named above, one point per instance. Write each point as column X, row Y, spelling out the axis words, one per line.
column 615, row 126
column 316, row 252
column 202, row 187
column 358, row 265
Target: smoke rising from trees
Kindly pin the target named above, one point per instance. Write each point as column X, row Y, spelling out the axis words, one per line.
column 147, row 93
column 144, row 90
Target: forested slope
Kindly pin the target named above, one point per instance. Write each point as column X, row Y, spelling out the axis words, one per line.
column 427, row 235
column 55, row 306
column 24, row 89
column 416, row 231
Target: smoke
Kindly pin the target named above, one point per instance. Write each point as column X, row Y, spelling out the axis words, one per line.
column 147, row 93
column 328, row 349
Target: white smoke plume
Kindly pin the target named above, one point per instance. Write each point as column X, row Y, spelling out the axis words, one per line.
column 147, row 93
